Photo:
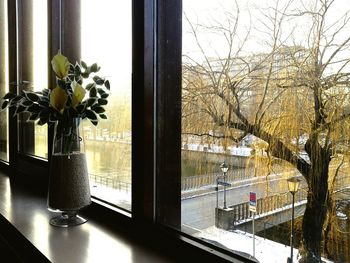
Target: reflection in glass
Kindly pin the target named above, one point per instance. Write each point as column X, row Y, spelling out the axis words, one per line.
column 33, row 56
column 108, row 146
column 3, row 80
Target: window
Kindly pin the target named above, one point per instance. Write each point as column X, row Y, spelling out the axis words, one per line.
column 264, row 90
column 106, row 39
column 262, row 87
column 32, row 71
column 3, row 80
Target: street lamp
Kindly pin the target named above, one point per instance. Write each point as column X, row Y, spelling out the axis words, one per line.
column 293, row 185
column 224, row 169
column 217, row 192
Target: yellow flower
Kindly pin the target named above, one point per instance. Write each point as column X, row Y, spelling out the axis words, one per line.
column 60, row 65
column 78, row 93
column 58, row 99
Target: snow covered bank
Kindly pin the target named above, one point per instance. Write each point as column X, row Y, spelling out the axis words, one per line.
column 266, row 251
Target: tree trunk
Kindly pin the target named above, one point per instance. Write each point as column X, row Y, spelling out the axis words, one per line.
column 316, row 209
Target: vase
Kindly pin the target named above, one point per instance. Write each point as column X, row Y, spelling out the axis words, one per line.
column 69, row 189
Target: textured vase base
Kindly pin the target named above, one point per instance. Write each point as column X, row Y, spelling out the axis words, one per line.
column 67, row 220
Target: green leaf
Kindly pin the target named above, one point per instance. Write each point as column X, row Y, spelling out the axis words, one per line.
column 102, row 101
column 77, row 79
column 85, row 75
column 90, row 102
column 103, row 116
column 27, row 103
column 83, row 64
column 91, row 115
column 107, row 85
column 94, row 122
column 104, row 96
column 98, row 80
column 4, row 104
column 32, row 96
column 94, row 68
column 16, row 99
column 77, row 69
column 98, row 109
column 101, row 91
column 20, row 109
column 80, row 108
column 93, row 92
column 90, row 86
column 34, row 108
column 9, row 96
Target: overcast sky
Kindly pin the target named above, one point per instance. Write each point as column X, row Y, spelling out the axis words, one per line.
column 106, row 32
column 252, row 12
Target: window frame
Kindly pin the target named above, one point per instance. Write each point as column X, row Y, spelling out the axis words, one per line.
column 156, row 120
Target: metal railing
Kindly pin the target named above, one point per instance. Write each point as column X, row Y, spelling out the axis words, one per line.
column 111, row 182
column 197, row 181
column 267, row 204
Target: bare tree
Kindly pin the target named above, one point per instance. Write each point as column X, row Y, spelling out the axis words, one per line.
column 281, row 96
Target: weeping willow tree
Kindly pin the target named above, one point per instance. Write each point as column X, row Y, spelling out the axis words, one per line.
column 295, row 96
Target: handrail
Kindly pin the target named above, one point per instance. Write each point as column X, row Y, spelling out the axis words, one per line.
column 266, row 204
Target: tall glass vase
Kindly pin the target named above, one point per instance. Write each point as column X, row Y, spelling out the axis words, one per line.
column 69, row 189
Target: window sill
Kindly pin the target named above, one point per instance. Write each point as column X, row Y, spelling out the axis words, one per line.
column 107, row 236
column 24, row 224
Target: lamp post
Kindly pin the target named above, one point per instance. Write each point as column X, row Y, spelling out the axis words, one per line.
column 217, row 192
column 293, row 184
column 224, row 169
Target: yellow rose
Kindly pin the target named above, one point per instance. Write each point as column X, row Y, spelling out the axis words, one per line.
column 58, row 99
column 60, row 65
column 78, row 93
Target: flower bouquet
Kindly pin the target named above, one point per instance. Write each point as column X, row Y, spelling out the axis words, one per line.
column 64, row 106
column 67, row 102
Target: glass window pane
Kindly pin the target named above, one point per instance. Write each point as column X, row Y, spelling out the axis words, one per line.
column 3, row 80
column 40, row 75
column 266, row 90
column 106, row 40
column 33, row 70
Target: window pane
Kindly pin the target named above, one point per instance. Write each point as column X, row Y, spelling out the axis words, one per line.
column 33, row 70
column 3, row 79
column 40, row 74
column 106, row 40
column 266, row 89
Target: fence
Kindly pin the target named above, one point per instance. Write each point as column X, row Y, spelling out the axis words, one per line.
column 197, row 181
column 111, row 182
column 266, row 204
column 194, row 182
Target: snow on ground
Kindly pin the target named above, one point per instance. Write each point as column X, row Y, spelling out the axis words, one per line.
column 120, row 197
column 238, row 151
column 266, row 251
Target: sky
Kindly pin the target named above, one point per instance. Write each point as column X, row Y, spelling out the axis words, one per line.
column 106, row 40
column 106, row 32
column 252, row 12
